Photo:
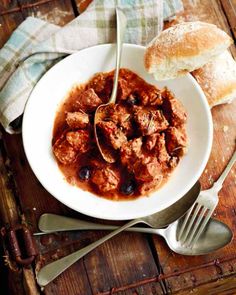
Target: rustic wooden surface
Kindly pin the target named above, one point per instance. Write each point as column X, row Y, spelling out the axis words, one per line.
column 130, row 263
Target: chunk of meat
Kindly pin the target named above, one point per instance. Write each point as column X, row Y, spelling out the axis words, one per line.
column 176, row 141
column 150, row 122
column 147, row 169
column 146, row 188
column 173, row 109
column 77, row 120
column 64, row 152
column 151, row 141
column 79, row 140
column 121, row 117
column 98, row 162
column 88, row 101
column 150, row 96
column 106, row 92
column 160, row 149
column 130, row 152
column 106, row 179
column 115, row 137
column 123, row 89
column 156, row 143
column 98, row 82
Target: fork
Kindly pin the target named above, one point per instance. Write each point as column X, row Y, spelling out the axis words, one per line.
column 199, row 214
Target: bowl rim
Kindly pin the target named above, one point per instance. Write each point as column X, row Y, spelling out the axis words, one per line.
column 96, row 214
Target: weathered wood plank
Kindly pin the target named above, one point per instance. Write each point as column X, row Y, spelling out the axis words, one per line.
column 123, row 260
column 74, row 281
column 229, row 7
column 56, row 12
column 10, row 216
column 8, row 22
column 16, row 282
column 33, row 197
column 105, row 272
column 226, row 286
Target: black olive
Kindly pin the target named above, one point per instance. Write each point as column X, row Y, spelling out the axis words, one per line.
column 84, row 173
column 128, row 187
column 132, row 99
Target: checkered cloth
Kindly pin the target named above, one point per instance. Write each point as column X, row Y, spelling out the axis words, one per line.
column 36, row 45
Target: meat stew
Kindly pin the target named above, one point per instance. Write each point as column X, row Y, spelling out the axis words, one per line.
column 146, row 128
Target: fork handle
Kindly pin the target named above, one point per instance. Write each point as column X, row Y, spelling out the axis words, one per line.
column 218, row 184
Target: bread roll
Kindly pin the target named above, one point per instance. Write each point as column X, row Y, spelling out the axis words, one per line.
column 218, row 79
column 183, row 48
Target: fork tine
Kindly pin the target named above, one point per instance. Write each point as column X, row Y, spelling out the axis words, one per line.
column 202, row 227
column 192, row 218
column 186, row 217
column 195, row 227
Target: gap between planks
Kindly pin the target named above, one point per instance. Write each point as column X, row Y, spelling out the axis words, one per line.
column 229, row 10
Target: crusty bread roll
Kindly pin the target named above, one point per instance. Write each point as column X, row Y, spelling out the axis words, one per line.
column 218, row 79
column 183, row 48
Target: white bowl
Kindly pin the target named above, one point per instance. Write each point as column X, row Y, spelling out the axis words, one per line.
column 78, row 68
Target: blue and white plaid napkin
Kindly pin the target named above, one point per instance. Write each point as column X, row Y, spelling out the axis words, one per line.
column 36, row 45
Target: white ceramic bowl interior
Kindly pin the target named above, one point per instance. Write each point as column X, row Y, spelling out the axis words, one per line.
column 78, row 68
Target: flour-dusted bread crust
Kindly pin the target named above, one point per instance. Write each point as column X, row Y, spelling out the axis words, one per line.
column 218, row 79
column 183, row 48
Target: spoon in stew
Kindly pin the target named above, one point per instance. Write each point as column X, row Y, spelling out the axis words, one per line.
column 108, row 154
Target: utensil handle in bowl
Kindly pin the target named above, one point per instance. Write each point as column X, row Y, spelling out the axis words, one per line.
column 121, row 25
column 49, row 272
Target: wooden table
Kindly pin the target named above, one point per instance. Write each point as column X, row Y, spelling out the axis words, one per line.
column 130, row 263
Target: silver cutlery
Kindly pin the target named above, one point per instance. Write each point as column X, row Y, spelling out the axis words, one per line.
column 54, row 269
column 214, row 237
column 201, row 211
column 107, row 153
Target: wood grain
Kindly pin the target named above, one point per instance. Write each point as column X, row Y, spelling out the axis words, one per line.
column 17, row 282
column 8, row 22
column 56, row 12
column 229, row 7
column 224, row 286
column 123, row 260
